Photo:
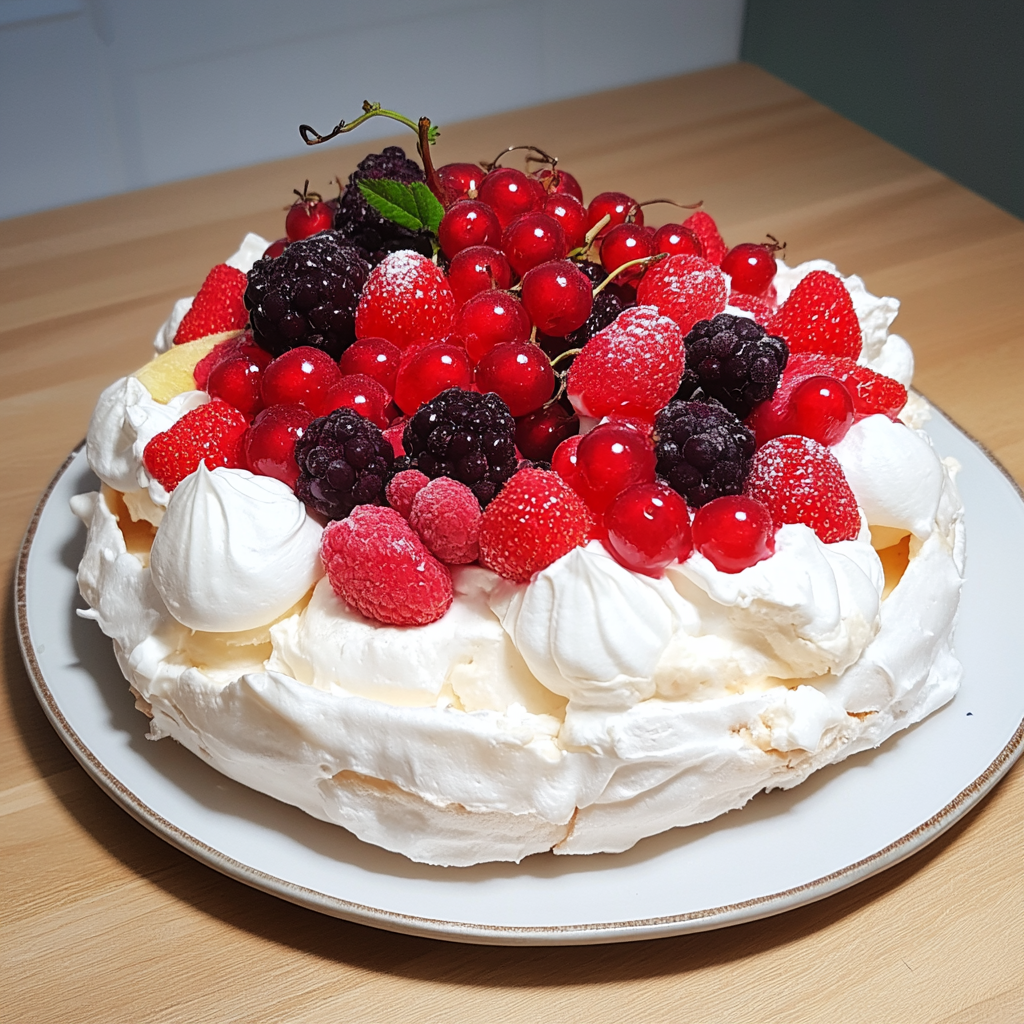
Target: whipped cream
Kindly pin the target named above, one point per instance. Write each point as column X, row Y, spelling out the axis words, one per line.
column 234, row 551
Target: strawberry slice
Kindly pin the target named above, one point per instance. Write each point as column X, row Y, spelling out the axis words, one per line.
column 703, row 226
column 217, row 308
column 212, row 434
column 819, row 317
column 760, row 309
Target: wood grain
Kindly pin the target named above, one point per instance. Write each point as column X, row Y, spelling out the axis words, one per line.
column 104, row 922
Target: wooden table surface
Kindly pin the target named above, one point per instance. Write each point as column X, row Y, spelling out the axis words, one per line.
column 102, row 921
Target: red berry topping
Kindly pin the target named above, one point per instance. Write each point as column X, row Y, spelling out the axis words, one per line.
column 302, row 376
column 309, row 215
column 362, row 393
column 459, row 181
column 612, row 457
column 212, row 434
column 217, row 307
column 624, row 243
column 648, row 527
column 275, row 249
column 374, row 357
column 488, row 319
column 685, row 288
column 559, row 182
column 821, row 408
column 519, row 374
column 871, row 392
column 759, row 309
column 631, row 368
column 477, row 269
column 377, row 564
column 428, row 372
column 712, row 246
column 468, row 223
column 571, row 214
column 270, row 441
column 539, row 433
column 558, row 297
column 751, row 266
column 563, row 462
column 532, row 239
column 403, row 487
column 677, row 240
column 535, row 520
column 393, row 435
column 801, row 481
column 734, row 532
column 237, row 380
column 510, row 193
column 406, row 299
column 819, row 316
column 446, row 515
column 240, row 345
column 618, row 206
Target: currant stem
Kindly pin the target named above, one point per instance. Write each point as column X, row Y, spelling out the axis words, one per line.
column 645, row 261
column 542, row 157
column 588, row 240
column 671, row 202
column 569, row 352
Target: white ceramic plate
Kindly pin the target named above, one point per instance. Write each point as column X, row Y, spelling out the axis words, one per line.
column 782, row 850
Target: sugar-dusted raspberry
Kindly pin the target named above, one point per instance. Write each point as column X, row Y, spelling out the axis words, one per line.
column 376, row 563
column 407, row 299
column 446, row 515
column 819, row 316
column 706, row 230
column 217, row 307
column 631, row 368
column 403, row 487
column 213, row 434
column 801, row 481
column 685, row 288
column 535, row 520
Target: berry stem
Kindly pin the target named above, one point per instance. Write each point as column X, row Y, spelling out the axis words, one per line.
column 588, row 240
column 569, row 353
column 671, row 202
column 645, row 261
column 541, row 158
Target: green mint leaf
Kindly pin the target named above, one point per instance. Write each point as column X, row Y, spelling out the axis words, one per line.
column 393, row 200
column 428, row 209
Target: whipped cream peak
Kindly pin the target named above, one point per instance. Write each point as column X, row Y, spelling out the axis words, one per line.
column 234, row 551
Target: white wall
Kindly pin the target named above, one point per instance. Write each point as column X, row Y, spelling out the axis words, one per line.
column 103, row 96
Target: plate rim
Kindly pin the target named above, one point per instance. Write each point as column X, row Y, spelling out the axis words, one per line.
column 707, row 919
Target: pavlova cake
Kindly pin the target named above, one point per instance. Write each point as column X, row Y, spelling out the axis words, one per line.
column 482, row 522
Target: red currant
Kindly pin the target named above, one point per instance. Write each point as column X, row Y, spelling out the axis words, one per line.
column 677, row 240
column 752, row 267
column 539, row 433
column 270, row 441
column 563, row 462
column 510, row 193
column 308, row 215
column 618, row 206
column 467, row 223
column 611, row 458
column 571, row 214
column 820, row 408
column 301, row 376
column 734, row 532
column 237, row 380
column 363, row 394
column 559, row 182
column 626, row 242
column 558, row 296
column 477, row 269
column 519, row 374
column 275, row 249
column 460, row 181
column 428, row 372
column 648, row 527
column 376, row 358
column 532, row 239
column 488, row 319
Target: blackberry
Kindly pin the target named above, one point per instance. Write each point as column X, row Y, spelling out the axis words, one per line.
column 307, row 295
column 465, row 436
column 361, row 225
column 703, row 450
column 731, row 359
column 344, row 460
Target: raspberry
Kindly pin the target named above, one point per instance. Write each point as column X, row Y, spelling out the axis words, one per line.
column 212, row 434
column 730, row 359
column 871, row 392
column 403, row 487
column 535, row 520
column 407, row 299
column 819, row 316
column 446, row 515
column 631, row 368
column 801, row 481
column 685, row 288
column 344, row 460
column 217, row 308
column 706, row 230
column 703, row 450
column 377, row 564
